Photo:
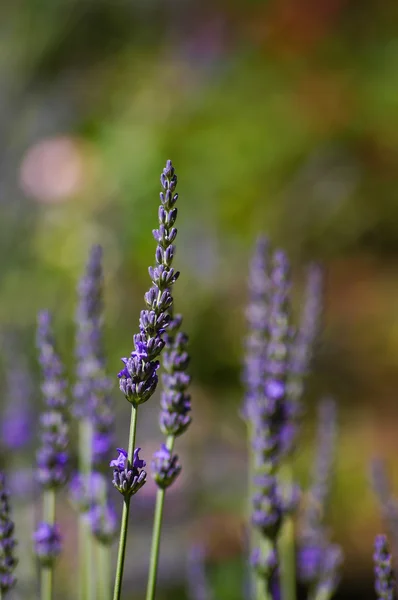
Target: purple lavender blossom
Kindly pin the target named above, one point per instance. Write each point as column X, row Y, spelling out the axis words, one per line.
column 175, row 401
column 197, row 585
column 48, row 543
column 257, row 320
column 318, row 560
column 128, row 478
column 52, row 457
column 92, row 389
column 16, row 422
column 301, row 351
column 85, row 491
column 7, row 541
column 138, row 378
column 165, row 467
column 103, row 522
column 269, row 419
column 388, row 503
column 384, row 575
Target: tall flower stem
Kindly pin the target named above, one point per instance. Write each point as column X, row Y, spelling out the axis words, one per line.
column 103, row 560
column 157, row 528
column 286, row 545
column 46, row 573
column 85, row 538
column 125, row 515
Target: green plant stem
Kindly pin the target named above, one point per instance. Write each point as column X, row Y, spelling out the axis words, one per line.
column 156, row 533
column 86, row 587
column 103, row 562
column 286, row 547
column 125, row 515
column 46, row 573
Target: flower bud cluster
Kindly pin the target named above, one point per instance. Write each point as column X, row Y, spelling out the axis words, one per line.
column 92, row 389
column 7, row 541
column 384, row 575
column 165, row 467
column 48, row 543
column 52, row 457
column 128, row 477
column 138, row 379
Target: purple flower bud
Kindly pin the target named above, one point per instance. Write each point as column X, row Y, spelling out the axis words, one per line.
column 128, row 478
column 165, row 469
column 384, row 575
column 52, row 457
column 7, row 541
column 103, row 522
column 264, row 561
column 48, row 543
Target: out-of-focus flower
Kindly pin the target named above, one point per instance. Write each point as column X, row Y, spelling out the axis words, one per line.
column 384, row 576
column 48, row 543
column 52, row 456
column 165, row 469
column 7, row 541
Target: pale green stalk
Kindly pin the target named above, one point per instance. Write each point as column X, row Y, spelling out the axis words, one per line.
column 125, row 516
column 286, row 547
column 156, row 533
column 86, row 587
column 103, row 565
column 103, row 556
column 46, row 573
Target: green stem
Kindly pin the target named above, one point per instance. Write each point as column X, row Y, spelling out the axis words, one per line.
column 157, row 528
column 125, row 516
column 104, row 561
column 46, row 573
column 86, row 587
column 286, row 546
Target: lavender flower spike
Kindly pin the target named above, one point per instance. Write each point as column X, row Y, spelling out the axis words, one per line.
column 52, row 457
column 7, row 541
column 138, row 379
column 48, row 543
column 92, row 399
column 128, row 478
column 384, row 576
column 301, row 351
column 257, row 320
column 318, row 560
column 165, row 469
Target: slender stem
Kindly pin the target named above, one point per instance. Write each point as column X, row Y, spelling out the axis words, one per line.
column 286, row 547
column 86, row 587
column 46, row 573
column 156, row 532
column 254, row 591
column 104, row 560
column 103, row 555
column 125, row 516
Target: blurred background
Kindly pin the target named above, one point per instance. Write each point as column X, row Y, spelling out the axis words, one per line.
column 280, row 117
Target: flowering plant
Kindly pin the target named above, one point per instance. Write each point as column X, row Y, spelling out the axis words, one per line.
column 278, row 354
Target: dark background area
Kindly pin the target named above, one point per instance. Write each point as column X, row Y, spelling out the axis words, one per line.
column 280, row 117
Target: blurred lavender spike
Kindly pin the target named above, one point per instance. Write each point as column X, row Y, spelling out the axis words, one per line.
column 16, row 423
column 318, row 560
column 256, row 316
column 302, row 347
column 269, row 425
column 384, row 575
column 7, row 541
column 52, row 456
column 388, row 504
column 197, row 583
column 92, row 389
